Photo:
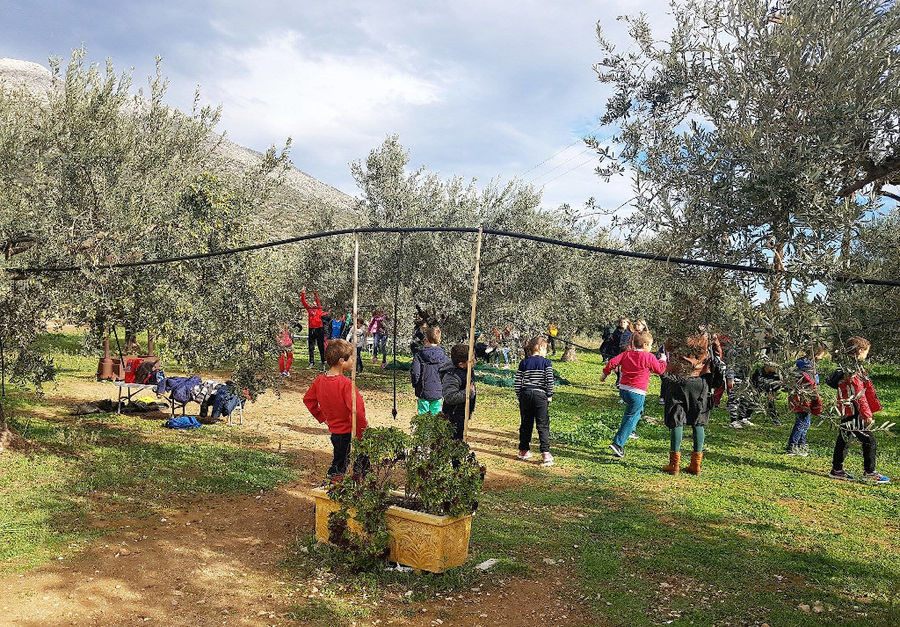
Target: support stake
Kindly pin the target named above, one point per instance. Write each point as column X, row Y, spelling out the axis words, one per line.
column 355, row 306
column 472, row 336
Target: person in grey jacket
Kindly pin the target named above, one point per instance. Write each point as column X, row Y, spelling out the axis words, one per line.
column 424, row 375
column 453, row 383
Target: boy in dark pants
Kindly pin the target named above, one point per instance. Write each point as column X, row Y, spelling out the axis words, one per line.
column 329, row 400
column 424, row 373
column 533, row 384
column 453, row 383
column 857, row 403
column 315, row 330
column 736, row 373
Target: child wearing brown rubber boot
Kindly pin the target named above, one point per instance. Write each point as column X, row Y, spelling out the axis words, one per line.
column 695, row 371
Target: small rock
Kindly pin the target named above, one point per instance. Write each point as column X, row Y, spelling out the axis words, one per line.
column 803, row 607
column 547, row 560
column 487, row 564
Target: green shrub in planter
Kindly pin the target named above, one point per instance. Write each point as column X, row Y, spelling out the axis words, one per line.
column 441, row 473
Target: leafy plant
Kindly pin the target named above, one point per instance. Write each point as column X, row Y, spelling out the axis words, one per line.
column 442, row 473
column 367, row 492
column 443, row 477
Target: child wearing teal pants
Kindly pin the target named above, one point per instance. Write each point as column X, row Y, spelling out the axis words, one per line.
column 695, row 371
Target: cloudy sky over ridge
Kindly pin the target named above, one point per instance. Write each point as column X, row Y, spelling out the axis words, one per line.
column 479, row 89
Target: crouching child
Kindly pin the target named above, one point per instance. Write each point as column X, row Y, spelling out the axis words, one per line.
column 330, row 401
column 453, row 384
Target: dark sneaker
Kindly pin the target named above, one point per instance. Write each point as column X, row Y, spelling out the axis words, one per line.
column 875, row 477
column 842, row 475
column 634, row 436
column 619, row 452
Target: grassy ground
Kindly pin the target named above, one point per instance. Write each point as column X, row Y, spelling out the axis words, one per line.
column 86, row 472
column 756, row 538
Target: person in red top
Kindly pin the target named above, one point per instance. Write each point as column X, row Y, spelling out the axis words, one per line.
column 636, row 364
column 857, row 403
column 286, row 341
column 330, row 401
column 316, row 332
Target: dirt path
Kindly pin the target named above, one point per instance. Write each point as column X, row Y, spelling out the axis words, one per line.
column 216, row 561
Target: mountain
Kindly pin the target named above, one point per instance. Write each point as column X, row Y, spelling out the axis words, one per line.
column 289, row 212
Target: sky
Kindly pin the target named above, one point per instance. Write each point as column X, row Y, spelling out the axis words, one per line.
column 486, row 90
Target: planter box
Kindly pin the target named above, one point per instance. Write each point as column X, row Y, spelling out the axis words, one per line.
column 423, row 541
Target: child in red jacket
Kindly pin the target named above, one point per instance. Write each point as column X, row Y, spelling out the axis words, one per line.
column 636, row 363
column 857, row 403
column 804, row 401
column 329, row 400
column 315, row 330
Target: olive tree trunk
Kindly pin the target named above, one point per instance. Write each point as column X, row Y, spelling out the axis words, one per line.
column 569, row 354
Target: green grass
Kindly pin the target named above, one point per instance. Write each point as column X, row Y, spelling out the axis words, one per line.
column 755, row 536
column 85, row 472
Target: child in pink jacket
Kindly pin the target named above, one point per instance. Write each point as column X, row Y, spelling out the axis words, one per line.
column 637, row 363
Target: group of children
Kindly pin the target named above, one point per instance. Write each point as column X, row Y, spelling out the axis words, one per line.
column 324, row 327
column 439, row 382
column 691, row 372
column 696, row 369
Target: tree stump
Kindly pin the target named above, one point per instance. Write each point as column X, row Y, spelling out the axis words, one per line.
column 569, row 354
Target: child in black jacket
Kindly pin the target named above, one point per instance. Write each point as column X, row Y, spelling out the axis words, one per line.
column 453, row 383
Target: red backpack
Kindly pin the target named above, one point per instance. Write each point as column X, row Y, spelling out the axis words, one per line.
column 131, row 367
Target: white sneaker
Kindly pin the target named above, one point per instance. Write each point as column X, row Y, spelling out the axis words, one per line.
column 524, row 456
column 746, row 422
column 633, row 436
column 546, row 460
column 736, row 425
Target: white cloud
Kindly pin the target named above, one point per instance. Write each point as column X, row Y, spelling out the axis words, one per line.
column 283, row 86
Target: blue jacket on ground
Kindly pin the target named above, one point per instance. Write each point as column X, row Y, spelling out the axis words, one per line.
column 424, row 375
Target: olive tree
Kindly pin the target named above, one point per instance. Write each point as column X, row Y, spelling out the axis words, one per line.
column 745, row 130
column 95, row 175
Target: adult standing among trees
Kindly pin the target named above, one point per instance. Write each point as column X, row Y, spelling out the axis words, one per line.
column 315, row 329
column 640, row 326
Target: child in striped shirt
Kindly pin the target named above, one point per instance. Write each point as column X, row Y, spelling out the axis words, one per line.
column 533, row 384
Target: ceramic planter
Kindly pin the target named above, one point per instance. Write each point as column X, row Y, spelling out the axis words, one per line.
column 422, row 541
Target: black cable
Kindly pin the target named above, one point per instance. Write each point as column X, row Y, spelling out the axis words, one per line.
column 615, row 252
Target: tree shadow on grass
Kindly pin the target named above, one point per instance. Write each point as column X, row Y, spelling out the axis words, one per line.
column 323, row 430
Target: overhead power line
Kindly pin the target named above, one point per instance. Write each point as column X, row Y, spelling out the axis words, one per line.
column 615, row 252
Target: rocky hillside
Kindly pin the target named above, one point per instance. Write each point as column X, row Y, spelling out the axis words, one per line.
column 290, row 210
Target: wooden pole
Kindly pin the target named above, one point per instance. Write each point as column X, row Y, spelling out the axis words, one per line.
column 472, row 336
column 355, row 305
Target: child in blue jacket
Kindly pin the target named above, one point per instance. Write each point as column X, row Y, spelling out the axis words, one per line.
column 424, row 374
